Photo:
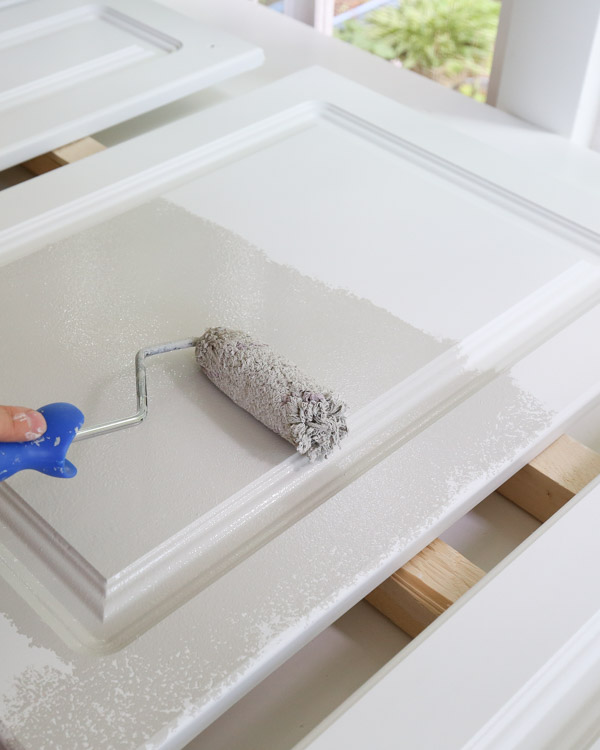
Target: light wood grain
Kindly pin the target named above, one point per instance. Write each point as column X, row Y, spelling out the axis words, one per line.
column 552, row 478
column 64, row 155
column 438, row 576
column 426, row 586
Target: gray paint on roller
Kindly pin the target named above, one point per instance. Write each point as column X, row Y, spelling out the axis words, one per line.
column 273, row 390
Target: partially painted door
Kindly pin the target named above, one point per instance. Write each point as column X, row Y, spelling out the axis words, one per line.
column 412, row 270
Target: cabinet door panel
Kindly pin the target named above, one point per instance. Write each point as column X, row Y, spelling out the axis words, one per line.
column 332, row 224
column 71, row 68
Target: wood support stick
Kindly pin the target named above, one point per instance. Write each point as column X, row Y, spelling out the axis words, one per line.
column 426, row 586
column 63, row 155
column 438, row 576
column 552, row 478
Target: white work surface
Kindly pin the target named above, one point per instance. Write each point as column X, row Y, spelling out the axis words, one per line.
column 289, row 47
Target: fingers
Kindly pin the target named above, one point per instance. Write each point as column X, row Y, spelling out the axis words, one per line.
column 18, row 424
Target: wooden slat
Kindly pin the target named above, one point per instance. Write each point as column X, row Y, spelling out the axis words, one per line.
column 552, row 478
column 438, row 576
column 63, row 155
column 425, row 587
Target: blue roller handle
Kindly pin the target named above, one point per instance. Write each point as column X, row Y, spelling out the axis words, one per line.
column 48, row 453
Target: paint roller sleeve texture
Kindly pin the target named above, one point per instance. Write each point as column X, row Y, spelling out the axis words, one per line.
column 273, row 390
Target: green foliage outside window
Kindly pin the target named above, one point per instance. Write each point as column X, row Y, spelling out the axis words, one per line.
column 451, row 41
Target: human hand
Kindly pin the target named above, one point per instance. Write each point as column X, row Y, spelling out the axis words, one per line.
column 18, row 424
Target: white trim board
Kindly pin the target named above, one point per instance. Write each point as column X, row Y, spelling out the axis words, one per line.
column 71, row 68
column 513, row 664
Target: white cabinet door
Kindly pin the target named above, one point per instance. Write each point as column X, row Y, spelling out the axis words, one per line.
column 451, row 298
column 515, row 664
column 70, row 68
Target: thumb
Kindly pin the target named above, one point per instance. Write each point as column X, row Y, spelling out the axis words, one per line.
column 18, row 424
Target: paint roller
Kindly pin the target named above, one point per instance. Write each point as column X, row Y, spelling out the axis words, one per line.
column 250, row 372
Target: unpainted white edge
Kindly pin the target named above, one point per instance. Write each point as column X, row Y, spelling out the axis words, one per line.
column 465, row 178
